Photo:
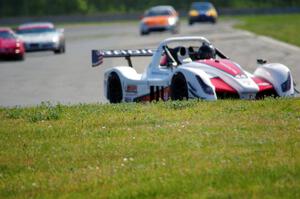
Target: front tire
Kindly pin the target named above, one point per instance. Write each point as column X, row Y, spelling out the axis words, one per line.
column 143, row 33
column 175, row 30
column 20, row 57
column 61, row 49
column 214, row 21
column 114, row 88
column 179, row 90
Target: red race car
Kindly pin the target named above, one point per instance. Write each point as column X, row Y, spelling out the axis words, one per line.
column 10, row 45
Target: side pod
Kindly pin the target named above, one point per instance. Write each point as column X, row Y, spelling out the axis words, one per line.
column 279, row 76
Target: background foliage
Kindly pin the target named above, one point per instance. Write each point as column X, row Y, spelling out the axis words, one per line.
column 9, row 8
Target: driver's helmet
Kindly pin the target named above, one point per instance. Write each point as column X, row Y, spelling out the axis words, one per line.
column 183, row 55
column 207, row 51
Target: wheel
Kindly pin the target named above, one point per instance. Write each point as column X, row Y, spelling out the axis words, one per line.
column 114, row 88
column 62, row 49
column 179, row 90
column 58, row 51
column 20, row 57
column 191, row 22
column 144, row 33
column 214, row 20
column 175, row 30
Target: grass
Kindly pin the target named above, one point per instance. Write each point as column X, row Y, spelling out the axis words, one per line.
column 284, row 27
column 189, row 149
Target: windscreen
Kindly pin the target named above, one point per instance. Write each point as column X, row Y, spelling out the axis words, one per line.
column 201, row 6
column 35, row 30
column 158, row 12
column 6, row 35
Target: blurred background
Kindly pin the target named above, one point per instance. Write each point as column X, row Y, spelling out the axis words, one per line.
column 29, row 8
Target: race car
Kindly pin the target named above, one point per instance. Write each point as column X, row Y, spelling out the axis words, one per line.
column 10, row 45
column 202, row 12
column 190, row 68
column 42, row 37
column 159, row 18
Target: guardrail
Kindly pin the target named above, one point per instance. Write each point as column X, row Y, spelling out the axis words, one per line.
column 135, row 16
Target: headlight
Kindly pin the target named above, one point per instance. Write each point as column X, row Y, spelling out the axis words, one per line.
column 211, row 12
column 286, row 86
column 172, row 21
column 193, row 13
column 55, row 39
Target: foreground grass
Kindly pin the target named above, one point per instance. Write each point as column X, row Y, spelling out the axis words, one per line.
column 283, row 27
column 223, row 149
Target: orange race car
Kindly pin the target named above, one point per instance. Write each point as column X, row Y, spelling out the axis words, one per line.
column 160, row 18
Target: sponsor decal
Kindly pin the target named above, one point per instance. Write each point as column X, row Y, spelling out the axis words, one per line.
column 98, row 55
column 131, row 88
column 124, row 53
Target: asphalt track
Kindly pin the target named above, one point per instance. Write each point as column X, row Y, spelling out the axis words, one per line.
column 70, row 79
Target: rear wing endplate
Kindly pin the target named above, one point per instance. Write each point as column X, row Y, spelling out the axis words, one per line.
column 99, row 55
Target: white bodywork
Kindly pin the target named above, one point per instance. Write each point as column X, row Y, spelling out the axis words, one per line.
column 51, row 39
column 160, row 77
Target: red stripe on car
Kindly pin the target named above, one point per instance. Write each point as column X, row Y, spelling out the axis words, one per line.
column 221, row 86
column 224, row 65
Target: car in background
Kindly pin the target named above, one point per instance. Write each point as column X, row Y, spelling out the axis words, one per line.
column 202, row 12
column 159, row 18
column 41, row 37
column 10, row 45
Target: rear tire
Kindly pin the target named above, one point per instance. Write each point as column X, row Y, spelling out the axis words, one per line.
column 179, row 90
column 114, row 88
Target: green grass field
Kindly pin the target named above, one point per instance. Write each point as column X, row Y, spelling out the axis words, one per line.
column 282, row 27
column 189, row 149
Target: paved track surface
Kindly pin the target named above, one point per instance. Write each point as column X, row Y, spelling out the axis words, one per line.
column 70, row 79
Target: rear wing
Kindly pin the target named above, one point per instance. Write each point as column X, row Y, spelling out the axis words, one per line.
column 99, row 55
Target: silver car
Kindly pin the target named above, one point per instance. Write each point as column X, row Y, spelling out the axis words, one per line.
column 41, row 37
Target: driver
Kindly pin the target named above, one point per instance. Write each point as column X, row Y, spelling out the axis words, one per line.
column 183, row 55
column 207, row 51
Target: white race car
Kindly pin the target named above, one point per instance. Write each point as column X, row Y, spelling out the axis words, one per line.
column 190, row 68
column 42, row 37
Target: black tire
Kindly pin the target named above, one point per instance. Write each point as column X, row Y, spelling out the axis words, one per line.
column 179, row 90
column 21, row 57
column 144, row 33
column 175, row 30
column 114, row 88
column 214, row 20
column 191, row 22
column 62, row 49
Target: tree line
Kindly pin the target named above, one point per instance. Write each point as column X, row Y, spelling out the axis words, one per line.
column 12, row 8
